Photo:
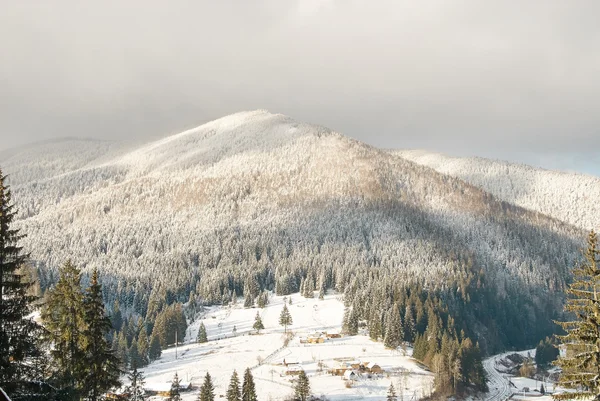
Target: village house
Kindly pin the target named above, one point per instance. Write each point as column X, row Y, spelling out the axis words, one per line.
column 350, row 375
column 374, row 368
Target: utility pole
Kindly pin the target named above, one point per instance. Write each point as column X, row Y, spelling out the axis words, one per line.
column 176, row 343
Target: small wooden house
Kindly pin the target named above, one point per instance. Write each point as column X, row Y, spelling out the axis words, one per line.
column 350, row 375
column 293, row 370
column 334, row 335
column 372, row 367
column 315, row 340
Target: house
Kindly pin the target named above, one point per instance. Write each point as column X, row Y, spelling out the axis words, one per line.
column 333, row 335
column 163, row 389
column 315, row 340
column 290, row 361
column 354, row 365
column 293, row 370
column 372, row 367
column 339, row 371
column 350, row 375
column 3, row 396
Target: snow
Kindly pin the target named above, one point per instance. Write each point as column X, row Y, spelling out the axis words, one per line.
column 567, row 196
column 225, row 352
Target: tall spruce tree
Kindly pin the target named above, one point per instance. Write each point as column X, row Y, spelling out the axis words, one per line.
column 581, row 365
column 142, row 347
column 101, row 363
column 64, row 318
column 17, row 333
column 285, row 318
column 393, row 328
column 155, row 350
column 233, row 391
column 207, row 390
column 302, row 387
column 248, row 388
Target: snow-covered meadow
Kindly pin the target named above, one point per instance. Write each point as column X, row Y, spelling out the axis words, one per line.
column 265, row 353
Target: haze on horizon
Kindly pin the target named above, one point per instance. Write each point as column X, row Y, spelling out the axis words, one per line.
column 501, row 79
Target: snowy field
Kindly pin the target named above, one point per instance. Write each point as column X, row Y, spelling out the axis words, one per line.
column 265, row 354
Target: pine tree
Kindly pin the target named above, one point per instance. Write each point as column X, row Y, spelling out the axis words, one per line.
column 135, row 390
column 248, row 388
column 18, row 334
column 285, row 318
column 581, row 366
column 258, row 324
column 143, row 347
column 248, row 300
column 207, row 390
column 233, row 392
column 64, row 318
column 155, row 350
column 350, row 323
column 174, row 392
column 393, row 329
column 391, row 394
column 202, row 337
column 410, row 329
column 302, row 388
column 101, row 364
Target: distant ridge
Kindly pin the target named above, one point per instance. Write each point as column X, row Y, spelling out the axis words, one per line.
column 570, row 197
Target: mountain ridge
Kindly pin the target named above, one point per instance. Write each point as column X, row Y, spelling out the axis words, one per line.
column 261, row 197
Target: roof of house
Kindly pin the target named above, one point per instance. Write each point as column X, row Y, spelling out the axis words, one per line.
column 371, row 365
column 349, row 373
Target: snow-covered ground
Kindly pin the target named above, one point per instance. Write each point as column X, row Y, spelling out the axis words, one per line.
column 265, row 353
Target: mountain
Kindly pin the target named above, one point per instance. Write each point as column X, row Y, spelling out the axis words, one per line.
column 259, row 201
column 570, row 197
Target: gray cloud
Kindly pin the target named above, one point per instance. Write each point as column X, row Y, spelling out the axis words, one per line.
column 506, row 79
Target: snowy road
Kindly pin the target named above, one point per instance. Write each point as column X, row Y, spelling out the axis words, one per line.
column 499, row 390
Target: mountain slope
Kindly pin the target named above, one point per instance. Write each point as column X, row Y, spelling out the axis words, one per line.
column 570, row 197
column 257, row 200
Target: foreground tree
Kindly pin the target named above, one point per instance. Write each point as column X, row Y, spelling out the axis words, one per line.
column 207, row 391
column 302, row 388
column 581, row 366
column 101, row 363
column 64, row 318
column 17, row 332
column 285, row 318
column 248, row 388
column 233, row 392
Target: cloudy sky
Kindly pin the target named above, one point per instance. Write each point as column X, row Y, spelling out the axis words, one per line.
column 516, row 80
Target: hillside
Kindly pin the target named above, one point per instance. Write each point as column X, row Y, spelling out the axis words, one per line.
column 257, row 200
column 570, row 197
column 265, row 353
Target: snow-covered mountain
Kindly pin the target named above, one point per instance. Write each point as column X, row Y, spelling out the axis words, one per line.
column 570, row 197
column 260, row 198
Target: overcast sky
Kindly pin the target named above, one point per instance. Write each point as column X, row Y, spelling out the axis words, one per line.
column 516, row 80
